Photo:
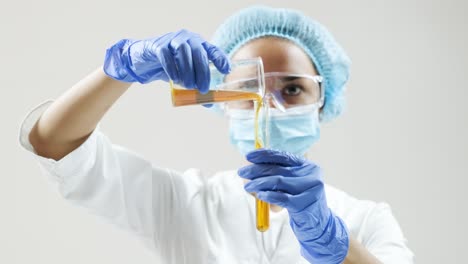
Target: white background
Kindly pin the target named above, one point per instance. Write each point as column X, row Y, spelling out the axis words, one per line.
column 403, row 139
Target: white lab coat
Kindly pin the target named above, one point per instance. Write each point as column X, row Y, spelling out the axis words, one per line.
column 188, row 218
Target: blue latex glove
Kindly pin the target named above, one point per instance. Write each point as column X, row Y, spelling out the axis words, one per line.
column 296, row 184
column 181, row 56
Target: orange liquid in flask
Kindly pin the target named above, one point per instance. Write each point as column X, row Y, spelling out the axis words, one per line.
column 181, row 97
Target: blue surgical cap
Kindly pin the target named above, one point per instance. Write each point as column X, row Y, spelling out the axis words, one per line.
column 329, row 58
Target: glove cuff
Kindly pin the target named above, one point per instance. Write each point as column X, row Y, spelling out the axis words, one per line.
column 331, row 247
column 115, row 65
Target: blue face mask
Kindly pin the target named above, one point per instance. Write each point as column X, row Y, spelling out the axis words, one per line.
column 294, row 131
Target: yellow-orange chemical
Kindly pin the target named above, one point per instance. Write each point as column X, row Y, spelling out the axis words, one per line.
column 262, row 208
column 181, row 97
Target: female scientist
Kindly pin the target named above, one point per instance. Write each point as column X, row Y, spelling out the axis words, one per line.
column 188, row 218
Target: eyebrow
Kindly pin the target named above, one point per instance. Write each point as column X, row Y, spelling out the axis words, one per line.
column 289, row 78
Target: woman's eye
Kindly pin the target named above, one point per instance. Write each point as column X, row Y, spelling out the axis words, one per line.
column 292, row 90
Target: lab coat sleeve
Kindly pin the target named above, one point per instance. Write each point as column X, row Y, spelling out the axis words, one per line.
column 114, row 183
column 384, row 237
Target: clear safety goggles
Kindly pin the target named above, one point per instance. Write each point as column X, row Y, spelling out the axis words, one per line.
column 282, row 90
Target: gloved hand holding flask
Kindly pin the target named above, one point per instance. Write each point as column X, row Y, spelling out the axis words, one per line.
column 181, row 56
